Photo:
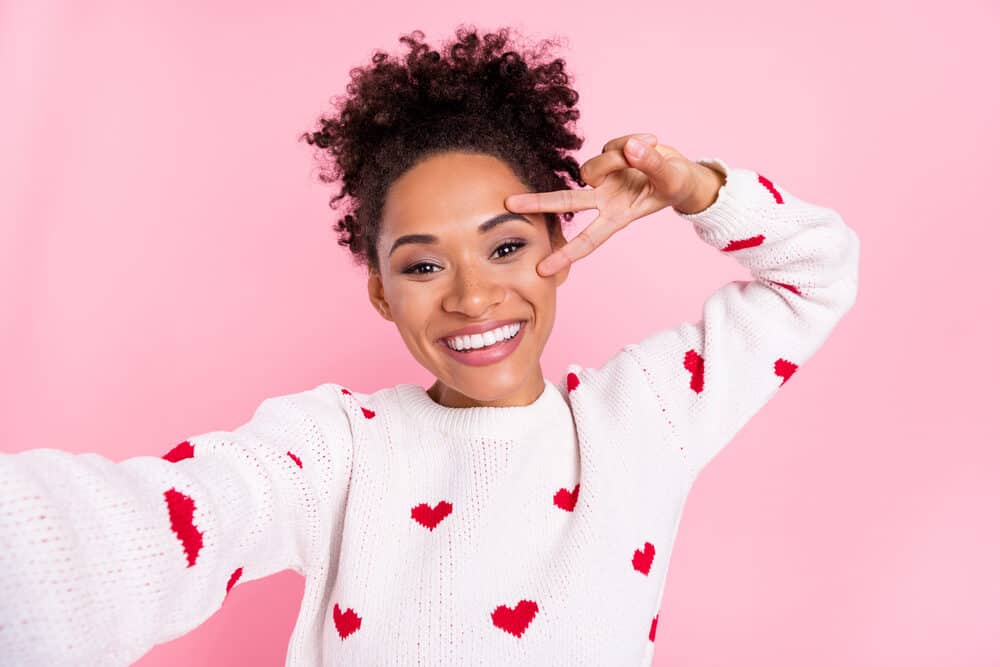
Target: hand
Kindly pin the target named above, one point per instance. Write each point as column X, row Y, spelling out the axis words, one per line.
column 625, row 186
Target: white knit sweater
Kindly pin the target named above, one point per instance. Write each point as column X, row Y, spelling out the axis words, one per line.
column 533, row 535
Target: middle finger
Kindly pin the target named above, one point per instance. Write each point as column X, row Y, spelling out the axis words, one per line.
column 581, row 245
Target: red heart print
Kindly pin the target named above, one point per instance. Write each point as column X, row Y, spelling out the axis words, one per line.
column 572, row 382
column 565, row 499
column 642, row 560
column 695, row 363
column 185, row 450
column 233, row 578
column 180, row 507
column 295, row 458
column 770, row 186
column 346, row 621
column 516, row 620
column 425, row 516
column 652, row 628
column 784, row 369
column 791, row 288
column 751, row 242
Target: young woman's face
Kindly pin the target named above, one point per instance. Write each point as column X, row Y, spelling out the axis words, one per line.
column 431, row 287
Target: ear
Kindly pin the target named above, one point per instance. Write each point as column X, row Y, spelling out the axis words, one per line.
column 377, row 295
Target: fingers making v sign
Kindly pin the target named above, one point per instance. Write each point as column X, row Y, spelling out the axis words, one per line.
column 631, row 178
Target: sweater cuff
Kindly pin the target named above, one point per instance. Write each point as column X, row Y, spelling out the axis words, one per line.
column 727, row 217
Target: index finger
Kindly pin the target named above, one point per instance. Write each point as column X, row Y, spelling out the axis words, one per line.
column 553, row 202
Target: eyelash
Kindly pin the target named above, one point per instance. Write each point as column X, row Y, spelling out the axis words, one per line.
column 517, row 245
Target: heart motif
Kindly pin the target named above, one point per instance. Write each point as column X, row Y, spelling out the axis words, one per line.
column 565, row 499
column 791, row 288
column 642, row 560
column 184, row 450
column 572, row 382
column 233, row 578
column 784, row 369
column 516, row 620
column 766, row 182
column 695, row 363
column 425, row 516
column 652, row 628
column 180, row 508
column 751, row 242
column 346, row 621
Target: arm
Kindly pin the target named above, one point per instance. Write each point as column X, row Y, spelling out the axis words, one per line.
column 100, row 561
column 709, row 377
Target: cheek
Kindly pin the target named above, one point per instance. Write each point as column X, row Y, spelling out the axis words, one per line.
column 540, row 295
column 413, row 302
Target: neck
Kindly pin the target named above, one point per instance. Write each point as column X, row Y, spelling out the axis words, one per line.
column 526, row 394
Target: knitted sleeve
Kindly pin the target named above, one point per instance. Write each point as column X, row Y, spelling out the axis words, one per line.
column 709, row 377
column 101, row 560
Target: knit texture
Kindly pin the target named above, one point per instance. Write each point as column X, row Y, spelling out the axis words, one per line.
column 530, row 535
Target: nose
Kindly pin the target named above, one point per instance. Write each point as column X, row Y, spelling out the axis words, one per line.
column 473, row 293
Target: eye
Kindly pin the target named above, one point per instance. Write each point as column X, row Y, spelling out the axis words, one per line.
column 413, row 269
column 514, row 244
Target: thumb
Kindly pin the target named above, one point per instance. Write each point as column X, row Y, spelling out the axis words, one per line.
column 672, row 176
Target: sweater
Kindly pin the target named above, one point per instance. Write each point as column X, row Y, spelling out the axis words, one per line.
column 432, row 535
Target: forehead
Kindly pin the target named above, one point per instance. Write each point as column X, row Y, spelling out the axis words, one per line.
column 449, row 186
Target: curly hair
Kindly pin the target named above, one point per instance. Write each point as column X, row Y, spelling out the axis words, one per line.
column 484, row 95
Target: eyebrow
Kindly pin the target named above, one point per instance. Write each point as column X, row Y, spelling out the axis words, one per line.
column 483, row 228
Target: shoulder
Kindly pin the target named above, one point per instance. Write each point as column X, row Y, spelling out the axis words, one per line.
column 334, row 404
column 323, row 410
column 622, row 373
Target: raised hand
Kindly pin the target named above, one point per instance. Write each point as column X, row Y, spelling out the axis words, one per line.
column 632, row 177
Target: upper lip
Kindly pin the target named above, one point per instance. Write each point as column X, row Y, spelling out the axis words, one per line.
column 480, row 328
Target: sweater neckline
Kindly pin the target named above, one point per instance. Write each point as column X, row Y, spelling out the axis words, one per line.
column 487, row 421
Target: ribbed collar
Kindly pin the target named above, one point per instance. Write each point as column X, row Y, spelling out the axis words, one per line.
column 488, row 421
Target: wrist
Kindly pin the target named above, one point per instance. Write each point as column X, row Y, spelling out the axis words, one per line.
column 709, row 182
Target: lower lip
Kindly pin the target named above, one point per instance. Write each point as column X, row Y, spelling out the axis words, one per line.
column 488, row 355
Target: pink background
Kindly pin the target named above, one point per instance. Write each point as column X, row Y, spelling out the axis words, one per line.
column 166, row 262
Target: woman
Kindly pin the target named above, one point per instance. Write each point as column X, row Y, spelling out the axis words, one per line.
column 496, row 517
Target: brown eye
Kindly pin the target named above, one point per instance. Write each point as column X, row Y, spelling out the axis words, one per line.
column 514, row 244
column 413, row 269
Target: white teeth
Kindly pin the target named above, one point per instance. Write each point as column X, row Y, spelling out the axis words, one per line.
column 484, row 339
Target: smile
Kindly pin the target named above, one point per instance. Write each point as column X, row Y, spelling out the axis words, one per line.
column 478, row 350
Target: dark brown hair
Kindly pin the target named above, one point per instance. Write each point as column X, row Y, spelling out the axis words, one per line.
column 479, row 94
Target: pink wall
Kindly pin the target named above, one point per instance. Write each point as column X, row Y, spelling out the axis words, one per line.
column 166, row 262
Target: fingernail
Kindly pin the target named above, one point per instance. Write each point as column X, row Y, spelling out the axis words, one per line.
column 635, row 147
column 649, row 138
